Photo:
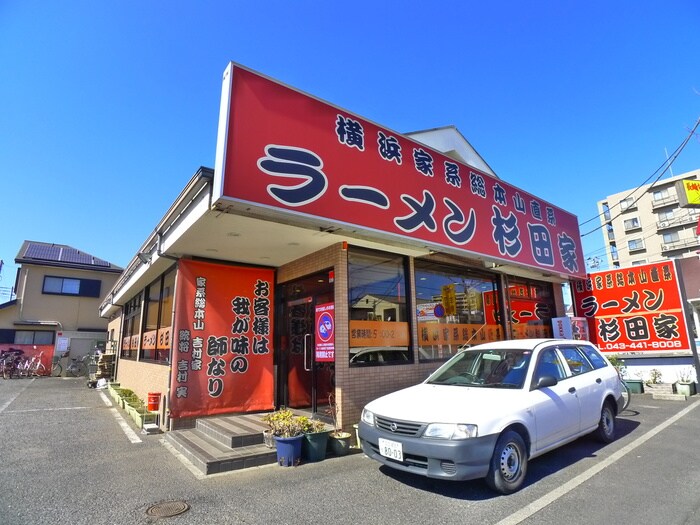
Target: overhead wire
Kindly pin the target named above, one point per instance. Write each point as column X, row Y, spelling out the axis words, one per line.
column 668, row 163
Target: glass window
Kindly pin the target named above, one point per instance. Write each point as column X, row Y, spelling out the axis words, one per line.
column 578, row 364
column 671, row 237
column 626, row 204
column 549, row 365
column 454, row 306
column 631, row 224
column 24, row 337
column 66, row 286
column 378, row 317
column 594, row 357
column 155, row 341
column 635, row 244
column 131, row 331
column 491, row 368
column 531, row 308
column 660, row 194
column 30, row 337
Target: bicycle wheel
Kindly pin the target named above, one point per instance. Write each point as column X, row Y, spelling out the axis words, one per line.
column 77, row 369
column 56, row 370
column 39, row 370
column 626, row 396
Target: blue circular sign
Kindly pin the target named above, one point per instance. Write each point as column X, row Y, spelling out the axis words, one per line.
column 439, row 310
column 325, row 327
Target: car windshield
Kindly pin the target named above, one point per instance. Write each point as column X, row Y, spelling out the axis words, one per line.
column 484, row 368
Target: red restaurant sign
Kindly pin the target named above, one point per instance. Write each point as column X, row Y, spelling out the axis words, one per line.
column 635, row 309
column 281, row 149
column 222, row 352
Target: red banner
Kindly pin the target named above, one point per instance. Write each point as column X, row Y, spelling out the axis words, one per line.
column 636, row 309
column 222, row 340
column 285, row 150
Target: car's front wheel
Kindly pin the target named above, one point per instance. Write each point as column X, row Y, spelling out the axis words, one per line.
column 508, row 464
column 606, row 424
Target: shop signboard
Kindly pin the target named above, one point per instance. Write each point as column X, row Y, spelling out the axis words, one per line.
column 222, row 348
column 636, row 310
column 289, row 155
column 325, row 333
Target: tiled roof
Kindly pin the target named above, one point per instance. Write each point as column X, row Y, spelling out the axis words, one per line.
column 33, row 252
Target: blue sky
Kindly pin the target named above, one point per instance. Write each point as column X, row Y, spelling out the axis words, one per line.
column 108, row 108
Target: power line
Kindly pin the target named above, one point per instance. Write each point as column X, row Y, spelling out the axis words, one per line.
column 668, row 163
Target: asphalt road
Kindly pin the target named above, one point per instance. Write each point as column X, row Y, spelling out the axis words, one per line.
column 66, row 459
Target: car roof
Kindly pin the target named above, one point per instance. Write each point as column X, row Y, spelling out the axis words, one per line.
column 526, row 344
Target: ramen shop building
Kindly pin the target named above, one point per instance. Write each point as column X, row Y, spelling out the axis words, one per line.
column 325, row 257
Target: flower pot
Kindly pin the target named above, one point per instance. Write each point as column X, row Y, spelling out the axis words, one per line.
column 686, row 389
column 289, row 450
column 635, row 386
column 340, row 443
column 268, row 439
column 314, row 446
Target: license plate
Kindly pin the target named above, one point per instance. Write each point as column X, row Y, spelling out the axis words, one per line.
column 391, row 449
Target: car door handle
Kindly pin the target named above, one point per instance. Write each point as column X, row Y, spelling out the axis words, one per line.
column 572, row 390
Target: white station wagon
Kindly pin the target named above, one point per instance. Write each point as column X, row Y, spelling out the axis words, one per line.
column 491, row 408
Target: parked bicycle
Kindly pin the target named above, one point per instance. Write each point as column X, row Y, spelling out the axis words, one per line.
column 10, row 362
column 75, row 367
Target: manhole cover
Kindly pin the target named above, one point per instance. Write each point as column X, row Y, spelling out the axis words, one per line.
column 167, row 509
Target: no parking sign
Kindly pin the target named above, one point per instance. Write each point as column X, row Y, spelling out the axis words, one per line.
column 325, row 332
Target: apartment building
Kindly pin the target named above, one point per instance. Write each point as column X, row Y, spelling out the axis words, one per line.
column 647, row 224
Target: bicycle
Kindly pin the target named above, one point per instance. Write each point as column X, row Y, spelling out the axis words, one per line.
column 626, row 395
column 76, row 367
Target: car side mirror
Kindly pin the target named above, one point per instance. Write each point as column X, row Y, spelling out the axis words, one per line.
column 546, row 381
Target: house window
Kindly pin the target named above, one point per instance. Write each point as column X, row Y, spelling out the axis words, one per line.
column 635, row 244
column 660, row 195
column 379, row 327
column 69, row 286
column 666, row 215
column 454, row 306
column 627, row 204
column 671, row 237
column 631, row 224
column 31, row 337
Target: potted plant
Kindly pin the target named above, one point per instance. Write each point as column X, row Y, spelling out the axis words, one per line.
column 685, row 384
column 315, row 440
column 339, row 440
column 287, row 431
column 635, row 386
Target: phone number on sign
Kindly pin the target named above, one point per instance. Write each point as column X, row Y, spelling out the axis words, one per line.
column 642, row 345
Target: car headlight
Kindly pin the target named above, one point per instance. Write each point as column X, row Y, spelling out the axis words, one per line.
column 450, row 431
column 367, row 417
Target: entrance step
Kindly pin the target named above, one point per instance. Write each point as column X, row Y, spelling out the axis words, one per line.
column 223, row 444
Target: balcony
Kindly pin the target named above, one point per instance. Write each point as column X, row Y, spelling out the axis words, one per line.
column 681, row 244
column 666, row 201
column 675, row 222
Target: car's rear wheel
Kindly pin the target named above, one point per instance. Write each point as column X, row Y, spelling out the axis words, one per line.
column 606, row 424
column 508, row 464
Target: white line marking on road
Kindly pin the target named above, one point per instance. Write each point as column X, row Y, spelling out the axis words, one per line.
column 570, row 485
column 125, row 427
column 47, row 409
column 9, row 401
column 107, row 401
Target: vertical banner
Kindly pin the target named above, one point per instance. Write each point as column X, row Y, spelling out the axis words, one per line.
column 222, row 349
column 325, row 332
column 637, row 309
